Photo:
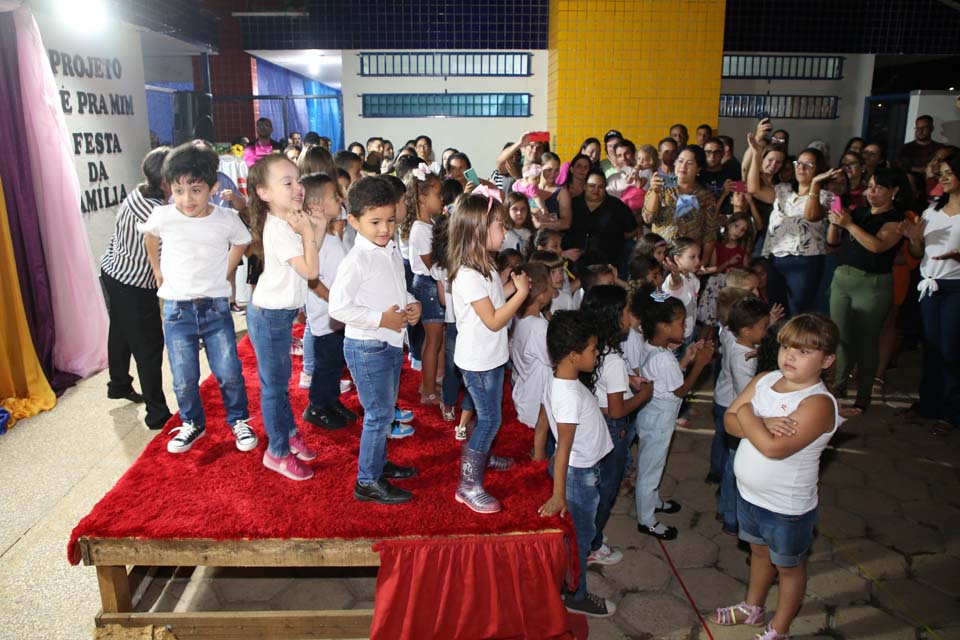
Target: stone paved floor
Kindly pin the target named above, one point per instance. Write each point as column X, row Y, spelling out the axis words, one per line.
column 887, row 561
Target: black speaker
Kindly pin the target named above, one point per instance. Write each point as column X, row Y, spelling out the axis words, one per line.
column 192, row 117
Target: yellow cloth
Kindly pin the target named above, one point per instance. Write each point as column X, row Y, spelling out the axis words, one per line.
column 24, row 390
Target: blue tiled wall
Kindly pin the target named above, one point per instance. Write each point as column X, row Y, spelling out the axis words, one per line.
column 404, row 24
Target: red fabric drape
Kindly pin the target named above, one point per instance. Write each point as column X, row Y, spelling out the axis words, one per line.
column 489, row 587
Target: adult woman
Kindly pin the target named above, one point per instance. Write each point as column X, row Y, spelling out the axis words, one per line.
column 456, row 164
column 874, row 155
column 689, row 209
column 936, row 237
column 796, row 234
column 591, row 149
column 601, row 223
column 855, row 145
column 359, row 149
column 760, row 185
column 579, row 168
column 862, row 289
column 135, row 325
column 556, row 201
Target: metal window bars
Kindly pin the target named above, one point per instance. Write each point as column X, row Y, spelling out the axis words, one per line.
column 446, row 105
column 454, row 63
column 782, row 67
column 780, row 107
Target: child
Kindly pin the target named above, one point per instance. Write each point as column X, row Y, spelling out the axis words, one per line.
column 785, row 419
column 742, row 331
column 423, row 203
column 449, row 191
column 619, row 396
column 550, row 240
column 645, row 269
column 761, row 268
column 663, row 319
column 507, row 261
column 321, row 199
column 562, row 300
column 683, row 263
column 652, row 245
column 369, row 295
column 518, row 224
column 733, row 251
column 647, row 162
column 571, row 414
column 482, row 313
column 528, row 345
column 290, row 241
column 743, row 203
column 593, row 275
column 202, row 243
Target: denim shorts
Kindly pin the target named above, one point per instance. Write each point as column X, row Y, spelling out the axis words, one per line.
column 788, row 537
column 425, row 291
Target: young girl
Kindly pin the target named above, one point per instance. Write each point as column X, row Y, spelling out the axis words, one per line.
column 423, row 203
column 743, row 202
column 528, row 345
column 647, row 162
column 518, row 224
column 290, row 241
column 652, row 245
column 785, row 419
column 571, row 414
column 683, row 262
column 482, row 313
column 619, row 395
column 732, row 252
column 662, row 319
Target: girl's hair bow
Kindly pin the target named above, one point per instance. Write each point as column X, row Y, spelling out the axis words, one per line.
column 422, row 171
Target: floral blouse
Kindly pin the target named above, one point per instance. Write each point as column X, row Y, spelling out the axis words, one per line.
column 701, row 223
column 788, row 232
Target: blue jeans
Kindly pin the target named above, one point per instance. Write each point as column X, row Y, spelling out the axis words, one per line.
column 655, row 424
column 452, row 376
column 940, row 385
column 415, row 331
column 308, row 361
column 425, row 291
column 185, row 322
column 375, row 367
column 729, row 494
column 486, row 391
column 269, row 331
column 718, row 448
column 799, row 277
column 787, row 537
column 583, row 498
column 612, row 467
column 327, row 368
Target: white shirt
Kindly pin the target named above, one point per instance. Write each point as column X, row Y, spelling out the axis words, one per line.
column 518, row 239
column 634, row 349
column 736, row 371
column 478, row 348
column 332, row 253
column 369, row 281
column 612, row 377
column 942, row 234
column 280, row 286
column 787, row 486
column 440, row 275
column 662, row 367
column 196, row 251
column 531, row 366
column 563, row 302
column 420, row 242
column 569, row 402
column 788, row 233
column 687, row 294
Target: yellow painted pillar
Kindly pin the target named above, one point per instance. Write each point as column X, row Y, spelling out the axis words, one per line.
column 637, row 66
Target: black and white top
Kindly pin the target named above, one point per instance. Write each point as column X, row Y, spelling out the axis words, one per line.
column 126, row 257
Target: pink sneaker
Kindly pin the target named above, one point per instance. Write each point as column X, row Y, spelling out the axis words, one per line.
column 288, row 466
column 300, row 449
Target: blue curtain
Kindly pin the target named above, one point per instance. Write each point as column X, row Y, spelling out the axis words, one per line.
column 160, row 108
column 320, row 115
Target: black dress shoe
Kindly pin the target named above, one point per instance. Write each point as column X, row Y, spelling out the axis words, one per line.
column 158, row 423
column 338, row 408
column 131, row 395
column 324, row 418
column 396, row 472
column 381, row 492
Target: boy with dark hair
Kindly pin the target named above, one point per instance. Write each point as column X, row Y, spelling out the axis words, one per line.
column 349, row 162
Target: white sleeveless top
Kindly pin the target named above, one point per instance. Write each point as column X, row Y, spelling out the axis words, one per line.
column 787, row 486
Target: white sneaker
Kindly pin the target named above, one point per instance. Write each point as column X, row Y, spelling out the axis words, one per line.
column 604, row 556
column 246, row 438
column 460, row 432
column 345, row 385
column 305, row 379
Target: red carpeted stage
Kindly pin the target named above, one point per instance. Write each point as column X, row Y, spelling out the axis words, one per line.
column 445, row 572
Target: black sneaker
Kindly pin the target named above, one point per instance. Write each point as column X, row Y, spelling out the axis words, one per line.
column 186, row 435
column 592, row 605
column 338, row 408
column 237, row 309
column 670, row 506
column 658, row 530
column 381, row 492
column 324, row 418
column 396, row 472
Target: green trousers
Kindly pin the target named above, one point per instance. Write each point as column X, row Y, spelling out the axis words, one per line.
column 859, row 303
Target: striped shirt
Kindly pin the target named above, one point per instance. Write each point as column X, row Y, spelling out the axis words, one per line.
column 126, row 257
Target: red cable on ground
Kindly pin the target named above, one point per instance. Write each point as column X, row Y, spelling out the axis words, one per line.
column 684, row 587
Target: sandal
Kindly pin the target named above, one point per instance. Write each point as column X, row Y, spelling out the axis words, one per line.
column 430, row 400
column 752, row 615
column 878, row 386
column 449, row 413
column 770, row 634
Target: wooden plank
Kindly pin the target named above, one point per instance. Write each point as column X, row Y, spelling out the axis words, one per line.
column 114, row 588
column 251, row 624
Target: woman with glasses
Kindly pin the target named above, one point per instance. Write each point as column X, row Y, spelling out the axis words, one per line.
column 862, row 289
column 796, row 234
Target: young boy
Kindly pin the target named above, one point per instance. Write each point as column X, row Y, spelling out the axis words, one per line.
column 202, row 243
column 321, row 199
column 744, row 328
column 369, row 295
column 571, row 413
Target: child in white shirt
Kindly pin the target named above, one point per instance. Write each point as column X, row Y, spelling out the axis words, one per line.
column 528, row 346
column 683, row 283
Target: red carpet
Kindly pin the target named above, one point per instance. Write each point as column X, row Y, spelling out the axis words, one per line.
column 215, row 491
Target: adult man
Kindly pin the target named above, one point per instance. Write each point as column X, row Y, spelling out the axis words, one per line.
column 375, row 143
column 717, row 176
column 610, row 140
column 296, row 140
column 680, row 134
column 668, row 154
column 704, row 132
column 263, row 145
column 917, row 154
column 507, row 164
column 626, row 156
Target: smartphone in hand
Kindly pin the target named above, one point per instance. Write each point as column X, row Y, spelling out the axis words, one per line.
column 471, row 176
column 739, row 186
column 669, row 180
column 538, row 136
